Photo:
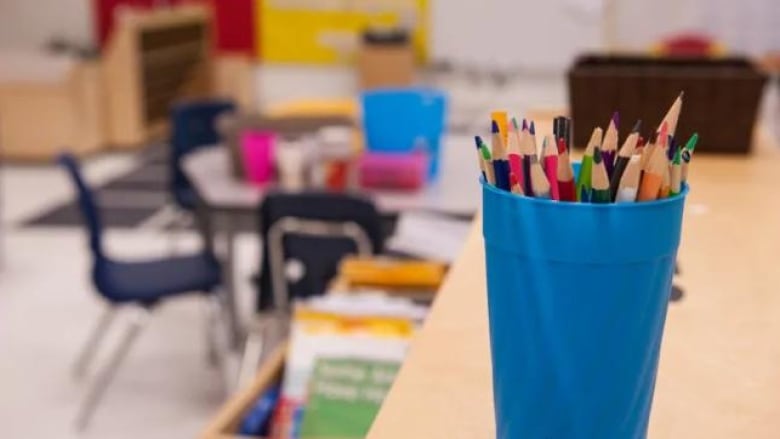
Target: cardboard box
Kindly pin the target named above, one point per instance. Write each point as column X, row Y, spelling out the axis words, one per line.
column 385, row 59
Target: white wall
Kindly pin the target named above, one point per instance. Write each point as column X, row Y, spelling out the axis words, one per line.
column 746, row 26
column 31, row 23
column 510, row 34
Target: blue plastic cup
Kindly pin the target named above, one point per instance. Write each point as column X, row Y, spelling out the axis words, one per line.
column 577, row 297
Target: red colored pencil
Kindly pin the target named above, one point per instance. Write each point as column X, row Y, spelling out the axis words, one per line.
column 515, row 156
column 565, row 177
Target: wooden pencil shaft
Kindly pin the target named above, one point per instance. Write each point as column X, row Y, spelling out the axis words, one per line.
column 653, row 177
column 649, row 187
column 595, row 140
column 626, row 195
column 617, row 174
column 539, row 183
column 490, row 175
column 551, row 170
column 500, row 116
column 676, row 184
column 629, row 183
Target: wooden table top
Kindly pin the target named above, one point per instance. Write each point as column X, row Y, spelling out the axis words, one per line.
column 719, row 374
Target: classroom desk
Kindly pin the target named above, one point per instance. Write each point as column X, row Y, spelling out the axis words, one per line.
column 719, row 370
column 228, row 201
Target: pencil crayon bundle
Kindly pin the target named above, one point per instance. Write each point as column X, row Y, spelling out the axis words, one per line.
column 610, row 172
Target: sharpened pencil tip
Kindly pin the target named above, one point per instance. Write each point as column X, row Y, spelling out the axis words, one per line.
column 561, row 145
column 525, row 124
column 597, row 155
column 514, row 123
column 691, row 145
column 478, row 140
column 616, row 119
column 494, row 127
column 532, row 129
column 637, row 126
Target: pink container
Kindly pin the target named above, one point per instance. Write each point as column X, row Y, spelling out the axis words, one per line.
column 388, row 170
column 258, row 154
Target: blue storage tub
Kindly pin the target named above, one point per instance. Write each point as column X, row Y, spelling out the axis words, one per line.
column 398, row 120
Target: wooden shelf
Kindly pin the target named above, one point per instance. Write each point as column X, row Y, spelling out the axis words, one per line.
column 152, row 60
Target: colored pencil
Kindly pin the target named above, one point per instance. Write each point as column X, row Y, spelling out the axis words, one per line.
column 623, row 157
column 539, row 183
column 584, row 195
column 515, row 184
column 565, row 176
column 610, row 144
column 478, row 142
column 500, row 116
column 676, row 174
column 586, row 167
column 660, row 142
column 532, row 133
column 562, row 130
column 672, row 115
column 515, row 155
column 687, row 155
column 672, row 150
column 666, row 182
column 653, row 176
column 550, row 162
column 488, row 164
column 629, row 183
column 600, row 185
column 500, row 163
column 528, row 149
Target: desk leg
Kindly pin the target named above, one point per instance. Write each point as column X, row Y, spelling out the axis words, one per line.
column 229, row 282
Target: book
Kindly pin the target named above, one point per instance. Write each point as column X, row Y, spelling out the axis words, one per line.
column 368, row 327
column 345, row 395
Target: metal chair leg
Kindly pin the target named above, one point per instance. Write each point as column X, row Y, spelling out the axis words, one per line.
column 93, row 342
column 269, row 330
column 253, row 351
column 213, row 321
column 103, row 379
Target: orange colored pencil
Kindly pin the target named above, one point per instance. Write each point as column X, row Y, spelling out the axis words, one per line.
column 653, row 177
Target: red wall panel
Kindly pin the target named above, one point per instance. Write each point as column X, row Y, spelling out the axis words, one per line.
column 235, row 25
column 233, row 20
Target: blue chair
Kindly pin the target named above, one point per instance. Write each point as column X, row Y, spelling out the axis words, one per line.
column 137, row 285
column 399, row 119
column 193, row 126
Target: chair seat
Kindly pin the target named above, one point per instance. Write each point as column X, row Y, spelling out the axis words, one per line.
column 150, row 281
column 186, row 198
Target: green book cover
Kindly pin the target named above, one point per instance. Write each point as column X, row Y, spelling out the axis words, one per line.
column 344, row 397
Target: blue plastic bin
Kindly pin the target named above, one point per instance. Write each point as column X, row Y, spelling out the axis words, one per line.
column 577, row 298
column 400, row 119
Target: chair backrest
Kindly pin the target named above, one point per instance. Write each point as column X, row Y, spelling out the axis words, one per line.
column 395, row 118
column 193, row 125
column 318, row 249
column 87, row 205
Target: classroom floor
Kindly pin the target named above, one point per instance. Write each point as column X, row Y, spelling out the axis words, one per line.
column 165, row 389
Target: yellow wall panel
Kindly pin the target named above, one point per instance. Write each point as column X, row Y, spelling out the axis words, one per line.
column 297, row 31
